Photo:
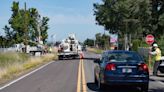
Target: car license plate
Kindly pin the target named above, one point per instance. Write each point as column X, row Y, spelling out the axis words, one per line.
column 126, row 70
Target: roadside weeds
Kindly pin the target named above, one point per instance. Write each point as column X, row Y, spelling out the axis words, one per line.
column 16, row 69
column 94, row 50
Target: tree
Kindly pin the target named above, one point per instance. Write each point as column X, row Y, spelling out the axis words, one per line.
column 38, row 24
column 102, row 40
column 98, row 39
column 9, row 35
column 19, row 22
column 2, row 41
column 131, row 16
column 35, row 21
column 137, row 17
column 157, row 17
column 27, row 24
column 89, row 42
column 44, row 28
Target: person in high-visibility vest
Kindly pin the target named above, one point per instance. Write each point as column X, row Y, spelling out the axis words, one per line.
column 157, row 54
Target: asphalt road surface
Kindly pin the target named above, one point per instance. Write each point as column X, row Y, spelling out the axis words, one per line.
column 71, row 76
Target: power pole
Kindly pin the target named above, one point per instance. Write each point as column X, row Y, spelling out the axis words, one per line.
column 125, row 36
column 25, row 27
column 38, row 28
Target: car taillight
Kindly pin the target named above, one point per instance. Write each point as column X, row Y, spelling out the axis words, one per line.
column 110, row 67
column 143, row 67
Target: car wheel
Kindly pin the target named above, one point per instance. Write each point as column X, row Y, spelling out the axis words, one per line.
column 60, row 57
column 144, row 88
column 100, row 85
column 161, row 69
column 96, row 82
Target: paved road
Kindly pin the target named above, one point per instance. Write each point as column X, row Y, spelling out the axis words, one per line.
column 59, row 76
column 63, row 76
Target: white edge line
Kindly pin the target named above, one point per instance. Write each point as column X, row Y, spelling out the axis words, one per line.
column 22, row 77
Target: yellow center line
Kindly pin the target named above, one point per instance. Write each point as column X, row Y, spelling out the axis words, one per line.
column 83, row 78
column 79, row 78
column 81, row 82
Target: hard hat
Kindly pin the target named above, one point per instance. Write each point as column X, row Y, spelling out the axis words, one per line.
column 155, row 45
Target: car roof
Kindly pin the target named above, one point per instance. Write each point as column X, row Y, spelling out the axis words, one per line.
column 119, row 51
column 122, row 52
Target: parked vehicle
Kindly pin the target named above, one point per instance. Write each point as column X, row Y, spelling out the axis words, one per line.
column 161, row 66
column 119, row 67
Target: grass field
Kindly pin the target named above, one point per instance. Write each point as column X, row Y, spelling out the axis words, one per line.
column 9, row 58
column 12, row 64
column 94, row 50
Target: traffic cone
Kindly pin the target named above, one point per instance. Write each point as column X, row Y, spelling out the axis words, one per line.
column 81, row 55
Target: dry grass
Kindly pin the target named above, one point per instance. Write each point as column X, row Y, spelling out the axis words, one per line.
column 94, row 50
column 13, row 67
column 10, row 58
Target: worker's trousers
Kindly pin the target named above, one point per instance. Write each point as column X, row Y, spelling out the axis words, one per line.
column 155, row 68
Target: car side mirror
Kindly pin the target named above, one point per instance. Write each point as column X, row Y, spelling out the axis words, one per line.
column 97, row 60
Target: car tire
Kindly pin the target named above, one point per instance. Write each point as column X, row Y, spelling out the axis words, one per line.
column 144, row 88
column 96, row 82
column 100, row 85
column 161, row 69
column 60, row 58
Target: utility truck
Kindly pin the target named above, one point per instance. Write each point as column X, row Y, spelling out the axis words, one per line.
column 69, row 48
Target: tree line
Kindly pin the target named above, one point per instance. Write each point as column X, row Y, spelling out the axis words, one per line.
column 25, row 26
column 131, row 19
column 101, row 41
column 131, row 16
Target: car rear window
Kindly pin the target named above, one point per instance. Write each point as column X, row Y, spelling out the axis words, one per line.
column 124, row 57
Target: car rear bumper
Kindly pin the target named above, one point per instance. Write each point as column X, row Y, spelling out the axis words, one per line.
column 126, row 80
column 131, row 83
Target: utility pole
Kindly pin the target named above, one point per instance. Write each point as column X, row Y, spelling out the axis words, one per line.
column 38, row 33
column 38, row 28
column 127, row 35
column 53, row 37
column 25, row 27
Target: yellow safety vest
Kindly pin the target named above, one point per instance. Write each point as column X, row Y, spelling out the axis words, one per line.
column 158, row 54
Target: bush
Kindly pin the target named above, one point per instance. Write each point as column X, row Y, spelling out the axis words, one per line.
column 136, row 44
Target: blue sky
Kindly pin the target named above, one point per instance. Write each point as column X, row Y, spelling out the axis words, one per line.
column 66, row 16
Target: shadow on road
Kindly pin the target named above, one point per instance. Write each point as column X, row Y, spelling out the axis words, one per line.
column 92, row 59
column 89, row 58
column 160, row 75
column 93, row 87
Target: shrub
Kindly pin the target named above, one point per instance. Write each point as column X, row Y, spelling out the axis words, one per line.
column 136, row 44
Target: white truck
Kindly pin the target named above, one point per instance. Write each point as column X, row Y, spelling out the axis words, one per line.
column 69, row 48
column 33, row 50
column 161, row 66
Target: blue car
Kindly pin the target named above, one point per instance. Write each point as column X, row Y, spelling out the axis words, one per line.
column 120, row 67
